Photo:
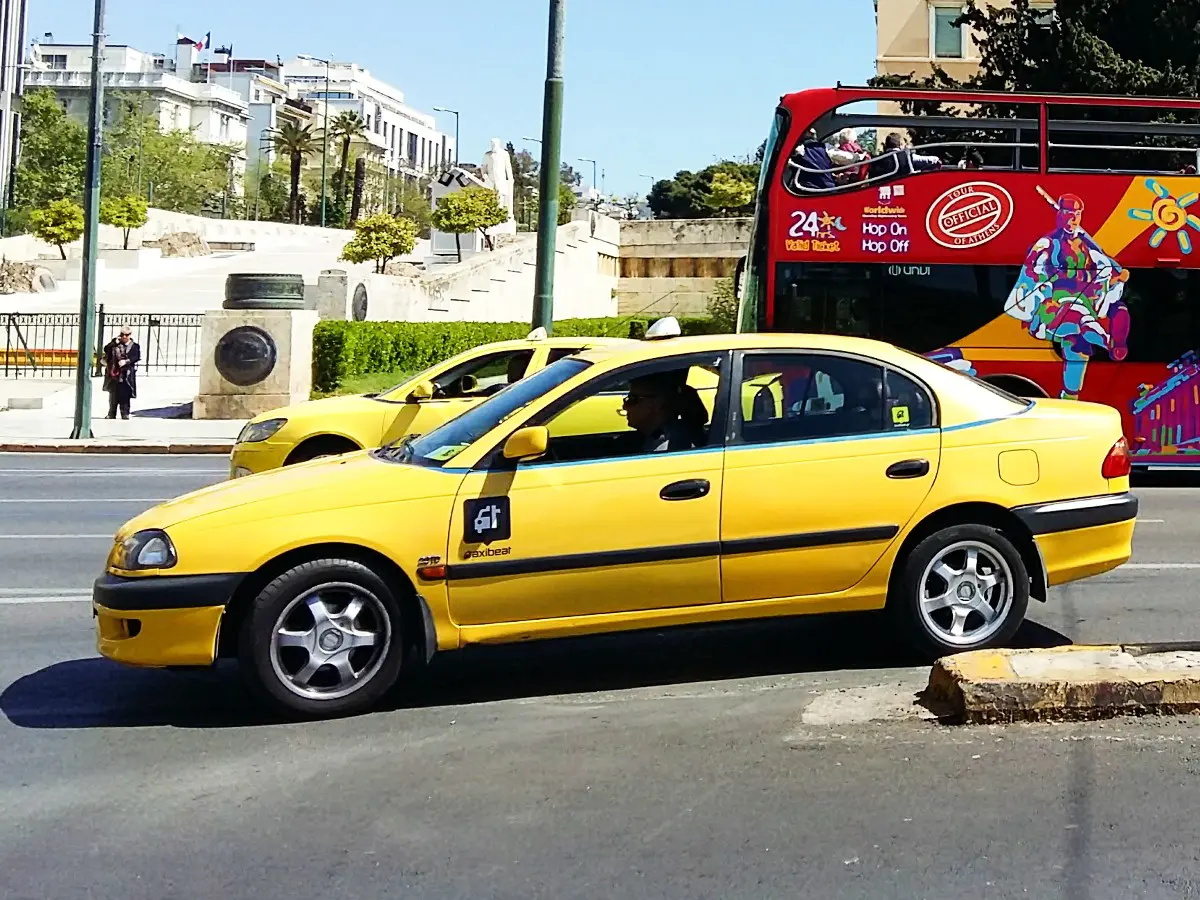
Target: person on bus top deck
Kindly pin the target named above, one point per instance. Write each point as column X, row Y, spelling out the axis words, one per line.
column 897, row 158
column 814, row 165
column 666, row 412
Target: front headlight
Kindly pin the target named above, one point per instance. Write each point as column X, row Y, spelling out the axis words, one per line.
column 143, row 550
column 260, row 431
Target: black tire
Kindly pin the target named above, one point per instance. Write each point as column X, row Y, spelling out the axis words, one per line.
column 904, row 604
column 257, row 654
column 316, row 448
column 264, row 291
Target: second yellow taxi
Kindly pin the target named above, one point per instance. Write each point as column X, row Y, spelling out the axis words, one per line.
column 606, row 492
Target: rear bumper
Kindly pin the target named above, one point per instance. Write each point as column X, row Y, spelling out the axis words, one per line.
column 1084, row 512
column 161, row 621
column 1083, row 537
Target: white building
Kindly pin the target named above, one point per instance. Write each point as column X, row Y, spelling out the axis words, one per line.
column 213, row 112
column 407, row 141
column 12, row 76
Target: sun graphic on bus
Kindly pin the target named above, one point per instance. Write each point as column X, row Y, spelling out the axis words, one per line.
column 1169, row 216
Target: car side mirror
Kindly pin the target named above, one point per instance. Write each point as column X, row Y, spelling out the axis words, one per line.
column 468, row 383
column 527, row 443
column 422, row 390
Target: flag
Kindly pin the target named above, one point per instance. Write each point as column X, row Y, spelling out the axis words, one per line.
column 200, row 45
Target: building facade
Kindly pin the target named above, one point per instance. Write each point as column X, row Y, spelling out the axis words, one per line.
column 406, row 141
column 913, row 36
column 12, row 78
column 214, row 112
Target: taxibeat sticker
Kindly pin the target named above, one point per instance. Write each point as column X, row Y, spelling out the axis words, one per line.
column 486, row 519
column 969, row 215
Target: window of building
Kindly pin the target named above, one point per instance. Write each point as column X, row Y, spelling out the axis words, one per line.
column 412, row 148
column 55, row 61
column 947, row 37
column 1043, row 15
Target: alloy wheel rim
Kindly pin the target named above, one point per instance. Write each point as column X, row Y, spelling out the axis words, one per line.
column 965, row 593
column 330, row 641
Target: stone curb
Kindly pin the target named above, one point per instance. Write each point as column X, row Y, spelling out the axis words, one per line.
column 113, row 447
column 1066, row 683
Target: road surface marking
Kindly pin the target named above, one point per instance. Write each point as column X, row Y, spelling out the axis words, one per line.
column 60, row 598
column 1160, row 566
column 54, row 537
column 1156, row 521
column 88, row 502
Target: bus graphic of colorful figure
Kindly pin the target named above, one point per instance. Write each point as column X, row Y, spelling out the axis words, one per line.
column 1069, row 292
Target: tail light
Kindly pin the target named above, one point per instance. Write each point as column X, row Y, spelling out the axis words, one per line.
column 1118, row 463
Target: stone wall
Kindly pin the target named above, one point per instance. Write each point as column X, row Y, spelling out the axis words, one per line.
column 499, row 286
column 671, row 266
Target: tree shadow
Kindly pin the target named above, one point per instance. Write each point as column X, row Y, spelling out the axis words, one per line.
column 91, row 693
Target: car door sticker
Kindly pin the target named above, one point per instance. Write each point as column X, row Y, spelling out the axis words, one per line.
column 486, row 519
column 900, row 415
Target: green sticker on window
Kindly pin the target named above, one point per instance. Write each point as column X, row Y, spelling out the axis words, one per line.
column 900, row 415
column 443, row 453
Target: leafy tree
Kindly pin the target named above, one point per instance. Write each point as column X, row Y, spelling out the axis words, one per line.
column 346, row 128
column 686, row 196
column 525, row 183
column 126, row 213
column 567, row 201
column 60, row 223
column 728, row 192
column 53, row 152
column 723, row 307
column 267, row 191
column 411, row 200
column 297, row 143
column 471, row 209
column 380, row 238
column 567, row 175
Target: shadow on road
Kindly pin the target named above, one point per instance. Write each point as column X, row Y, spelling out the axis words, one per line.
column 90, row 693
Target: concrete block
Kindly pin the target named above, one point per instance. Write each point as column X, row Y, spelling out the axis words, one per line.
column 26, row 402
column 121, row 259
column 1084, row 682
column 253, row 360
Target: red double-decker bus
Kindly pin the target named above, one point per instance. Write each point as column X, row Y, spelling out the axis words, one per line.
column 1043, row 243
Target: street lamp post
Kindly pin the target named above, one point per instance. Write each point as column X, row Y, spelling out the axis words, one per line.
column 543, row 294
column 82, row 428
column 262, row 142
column 453, row 112
column 324, row 131
column 593, row 162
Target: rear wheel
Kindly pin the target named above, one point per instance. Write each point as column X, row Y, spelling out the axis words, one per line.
column 322, row 639
column 962, row 588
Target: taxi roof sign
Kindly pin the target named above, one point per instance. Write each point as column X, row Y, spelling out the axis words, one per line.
column 538, row 334
column 667, row 327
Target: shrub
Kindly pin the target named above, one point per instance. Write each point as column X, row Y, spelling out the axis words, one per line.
column 723, row 307
column 345, row 349
column 379, row 239
column 60, row 223
column 126, row 213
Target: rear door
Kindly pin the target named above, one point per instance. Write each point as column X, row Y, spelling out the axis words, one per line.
column 830, row 456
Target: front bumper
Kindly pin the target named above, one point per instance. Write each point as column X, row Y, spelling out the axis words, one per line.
column 161, row 621
column 261, row 456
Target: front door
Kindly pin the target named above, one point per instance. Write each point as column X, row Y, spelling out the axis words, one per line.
column 603, row 523
column 831, row 457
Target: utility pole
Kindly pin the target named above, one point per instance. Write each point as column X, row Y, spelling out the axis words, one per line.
column 91, row 231
column 543, row 294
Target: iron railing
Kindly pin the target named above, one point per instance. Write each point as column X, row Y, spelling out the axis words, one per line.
column 46, row 344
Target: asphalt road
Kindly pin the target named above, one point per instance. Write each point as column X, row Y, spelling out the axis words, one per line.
column 769, row 760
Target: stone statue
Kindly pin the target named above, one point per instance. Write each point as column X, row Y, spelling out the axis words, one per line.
column 498, row 174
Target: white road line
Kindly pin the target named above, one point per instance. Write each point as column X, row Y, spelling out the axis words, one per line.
column 60, row 598
column 89, row 502
column 54, row 537
column 1159, row 566
column 1152, row 521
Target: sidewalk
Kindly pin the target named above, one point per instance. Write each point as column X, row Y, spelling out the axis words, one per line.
column 160, row 422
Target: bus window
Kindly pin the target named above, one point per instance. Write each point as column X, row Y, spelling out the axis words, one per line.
column 1164, row 314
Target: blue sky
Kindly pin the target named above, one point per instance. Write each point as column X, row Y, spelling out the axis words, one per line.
column 652, row 86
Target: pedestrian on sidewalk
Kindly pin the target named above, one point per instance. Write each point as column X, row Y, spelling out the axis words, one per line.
column 121, row 356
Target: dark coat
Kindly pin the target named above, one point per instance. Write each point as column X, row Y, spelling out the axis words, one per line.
column 115, row 374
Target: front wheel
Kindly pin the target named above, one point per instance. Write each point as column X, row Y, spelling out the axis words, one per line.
column 322, row 639
column 962, row 588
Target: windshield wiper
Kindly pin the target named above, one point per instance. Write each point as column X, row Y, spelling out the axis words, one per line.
column 399, row 450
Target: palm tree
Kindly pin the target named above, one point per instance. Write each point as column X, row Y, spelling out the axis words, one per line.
column 297, row 143
column 347, row 127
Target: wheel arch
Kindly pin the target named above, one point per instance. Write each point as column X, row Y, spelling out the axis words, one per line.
column 324, row 439
column 979, row 513
column 420, row 633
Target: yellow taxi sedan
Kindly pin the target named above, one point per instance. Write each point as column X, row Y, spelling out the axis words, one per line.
column 337, row 425
column 820, row 474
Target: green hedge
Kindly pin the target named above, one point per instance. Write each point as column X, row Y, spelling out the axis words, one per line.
column 345, row 349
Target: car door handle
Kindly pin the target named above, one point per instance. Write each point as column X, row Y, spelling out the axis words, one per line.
column 685, row 490
column 909, row 468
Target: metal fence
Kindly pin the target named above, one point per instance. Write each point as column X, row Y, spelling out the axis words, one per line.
column 46, row 344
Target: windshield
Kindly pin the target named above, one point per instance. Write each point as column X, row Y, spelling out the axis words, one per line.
column 444, row 443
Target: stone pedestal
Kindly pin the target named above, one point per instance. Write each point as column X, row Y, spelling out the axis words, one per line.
column 331, row 295
column 253, row 361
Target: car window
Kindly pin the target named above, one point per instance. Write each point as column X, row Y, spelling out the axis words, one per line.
column 559, row 352
column 908, row 404
column 639, row 411
column 442, row 444
column 789, row 397
column 482, row 376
